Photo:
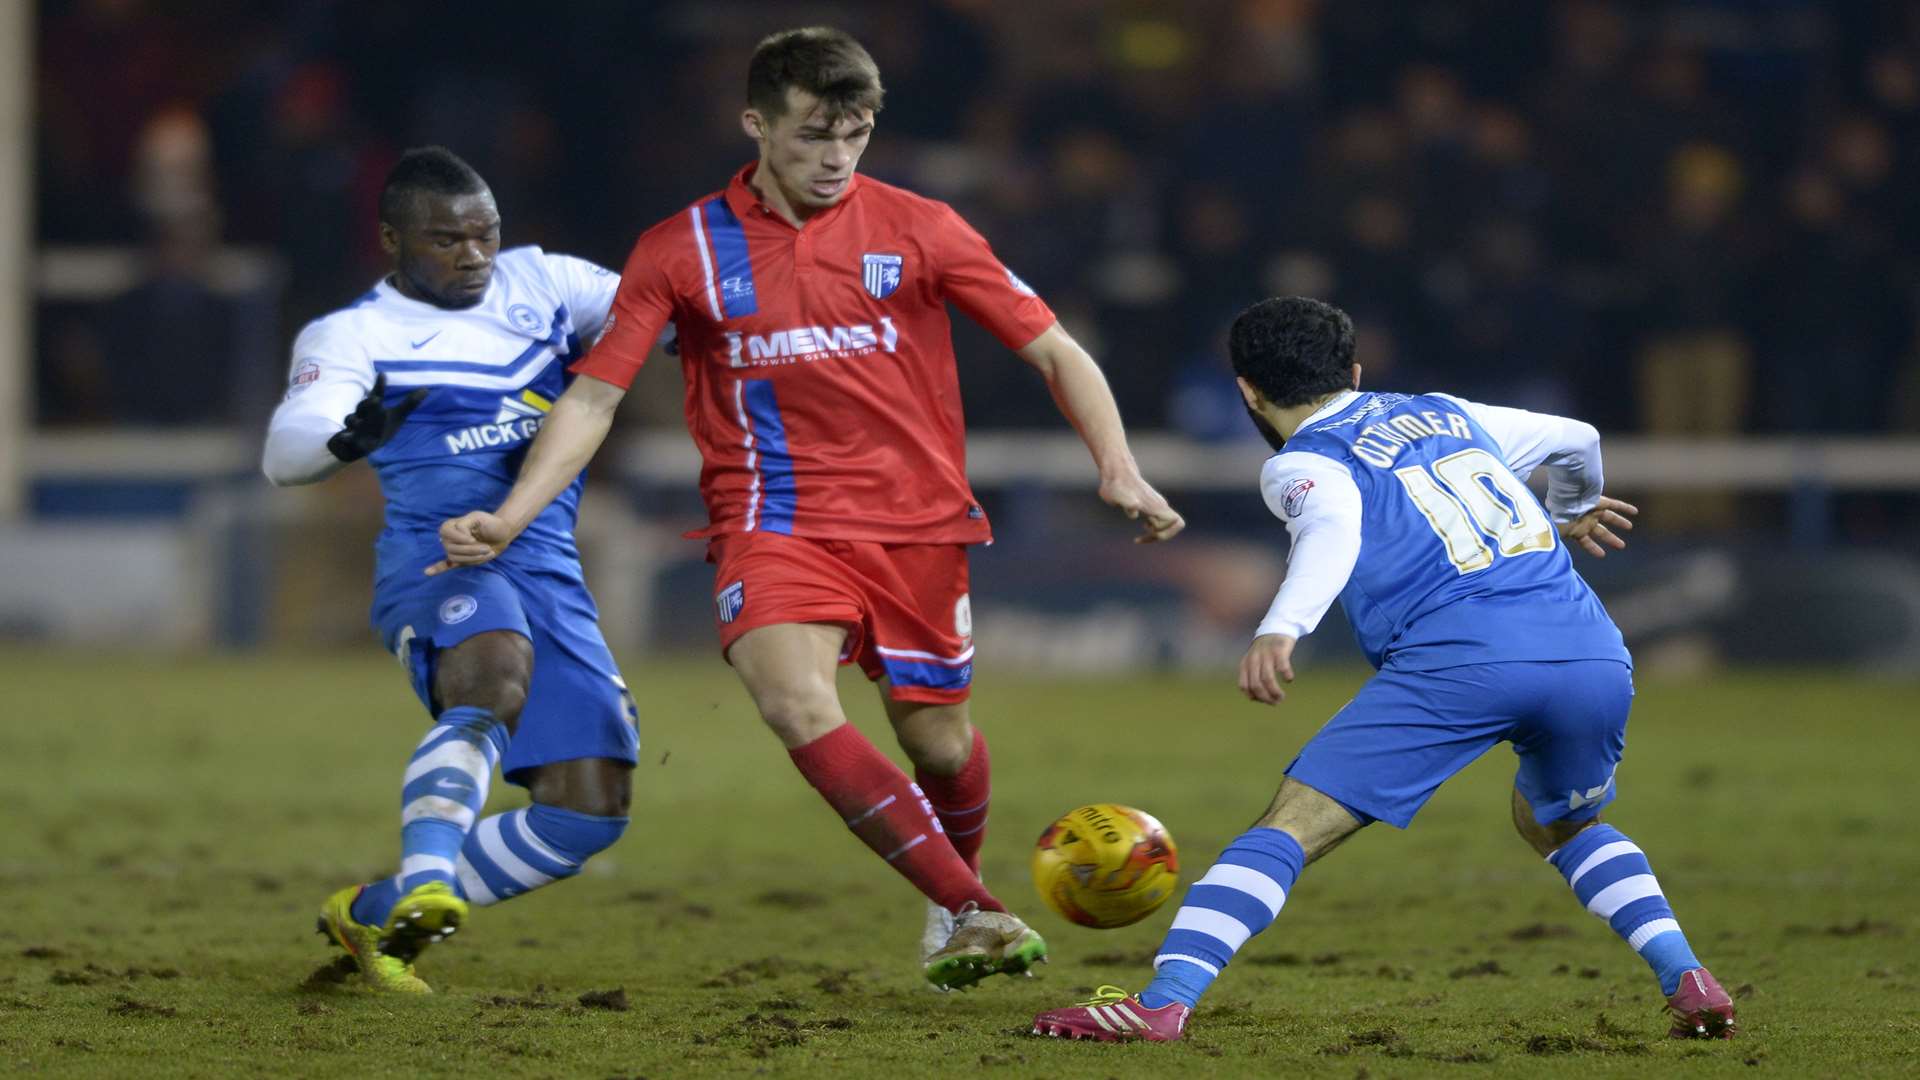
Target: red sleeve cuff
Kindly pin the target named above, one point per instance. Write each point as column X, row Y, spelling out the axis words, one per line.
column 608, row 368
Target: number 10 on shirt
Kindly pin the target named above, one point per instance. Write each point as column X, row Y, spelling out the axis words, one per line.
column 1469, row 498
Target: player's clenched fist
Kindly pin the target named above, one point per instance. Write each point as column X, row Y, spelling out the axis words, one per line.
column 471, row 539
column 1138, row 500
column 1268, row 663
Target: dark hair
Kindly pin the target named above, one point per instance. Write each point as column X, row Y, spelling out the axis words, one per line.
column 822, row 61
column 433, row 170
column 1293, row 349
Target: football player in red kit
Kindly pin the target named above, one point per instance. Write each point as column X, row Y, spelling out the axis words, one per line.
column 809, row 307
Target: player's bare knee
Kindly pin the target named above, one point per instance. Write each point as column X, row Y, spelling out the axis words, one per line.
column 613, row 805
column 491, row 671
column 1555, row 836
column 1316, row 821
column 601, row 787
column 942, row 753
column 1536, row 837
column 607, row 803
column 1551, row 837
column 799, row 717
column 936, row 738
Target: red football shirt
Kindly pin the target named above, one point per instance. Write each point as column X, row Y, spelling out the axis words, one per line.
column 821, row 384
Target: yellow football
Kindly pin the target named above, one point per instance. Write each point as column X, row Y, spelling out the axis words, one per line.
column 1105, row 865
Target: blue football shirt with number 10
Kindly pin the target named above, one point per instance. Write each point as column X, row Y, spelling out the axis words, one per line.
column 1459, row 563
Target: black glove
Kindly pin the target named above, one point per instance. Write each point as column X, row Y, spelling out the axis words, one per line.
column 373, row 424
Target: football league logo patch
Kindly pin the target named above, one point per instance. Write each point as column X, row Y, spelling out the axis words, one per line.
column 880, row 274
column 728, row 601
column 1294, row 498
column 304, row 376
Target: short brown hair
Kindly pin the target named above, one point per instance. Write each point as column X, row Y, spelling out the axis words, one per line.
column 818, row 60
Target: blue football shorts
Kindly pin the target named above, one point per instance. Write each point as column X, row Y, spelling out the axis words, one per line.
column 577, row 704
column 1406, row 732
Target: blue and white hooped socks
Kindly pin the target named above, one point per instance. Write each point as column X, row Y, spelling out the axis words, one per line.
column 440, row 797
column 1239, row 896
column 1611, row 876
column 521, row 850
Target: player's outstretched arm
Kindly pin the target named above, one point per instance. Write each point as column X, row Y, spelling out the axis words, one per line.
column 1597, row 526
column 1081, row 392
column 567, row 441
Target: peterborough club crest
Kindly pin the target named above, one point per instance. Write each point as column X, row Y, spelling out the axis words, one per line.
column 880, row 274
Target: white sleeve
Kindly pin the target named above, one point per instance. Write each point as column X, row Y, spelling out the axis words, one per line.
column 588, row 288
column 330, row 375
column 1570, row 449
column 1318, row 501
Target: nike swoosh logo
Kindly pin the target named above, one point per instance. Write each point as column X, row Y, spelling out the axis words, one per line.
column 426, row 339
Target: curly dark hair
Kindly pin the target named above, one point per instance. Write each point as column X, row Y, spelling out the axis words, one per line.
column 822, row 61
column 433, row 170
column 1293, row 349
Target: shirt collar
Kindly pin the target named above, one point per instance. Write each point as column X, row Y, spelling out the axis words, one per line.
column 388, row 291
column 1331, row 409
column 745, row 202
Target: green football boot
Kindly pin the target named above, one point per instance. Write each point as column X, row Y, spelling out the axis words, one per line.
column 430, row 913
column 984, row 943
column 378, row 969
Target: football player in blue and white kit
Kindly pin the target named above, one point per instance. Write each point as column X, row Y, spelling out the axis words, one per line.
column 439, row 376
column 1412, row 511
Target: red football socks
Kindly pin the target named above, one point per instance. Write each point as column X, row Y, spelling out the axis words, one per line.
column 960, row 801
column 889, row 814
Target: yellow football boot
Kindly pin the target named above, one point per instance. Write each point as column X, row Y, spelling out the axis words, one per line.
column 430, row 913
column 378, row 970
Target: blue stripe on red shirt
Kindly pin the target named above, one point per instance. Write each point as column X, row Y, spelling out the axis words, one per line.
column 776, row 461
column 733, row 270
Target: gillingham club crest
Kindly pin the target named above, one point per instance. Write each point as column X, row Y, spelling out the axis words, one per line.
column 880, row 274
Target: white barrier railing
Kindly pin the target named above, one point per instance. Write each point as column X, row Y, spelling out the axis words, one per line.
column 1057, row 460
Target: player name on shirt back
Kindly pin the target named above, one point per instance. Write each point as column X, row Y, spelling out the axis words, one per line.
column 1379, row 444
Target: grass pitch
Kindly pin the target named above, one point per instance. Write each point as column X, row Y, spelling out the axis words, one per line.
column 174, row 825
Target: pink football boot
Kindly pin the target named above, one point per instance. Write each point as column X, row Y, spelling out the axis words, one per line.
column 1111, row 1016
column 1701, row 1010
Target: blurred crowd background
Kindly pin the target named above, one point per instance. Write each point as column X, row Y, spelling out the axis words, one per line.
column 1682, row 217
column 1693, row 222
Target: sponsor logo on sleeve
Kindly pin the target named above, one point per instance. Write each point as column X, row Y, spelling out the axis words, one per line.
column 1019, row 286
column 880, row 274
column 1293, row 498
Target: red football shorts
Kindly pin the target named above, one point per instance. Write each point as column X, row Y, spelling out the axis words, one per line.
column 904, row 606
